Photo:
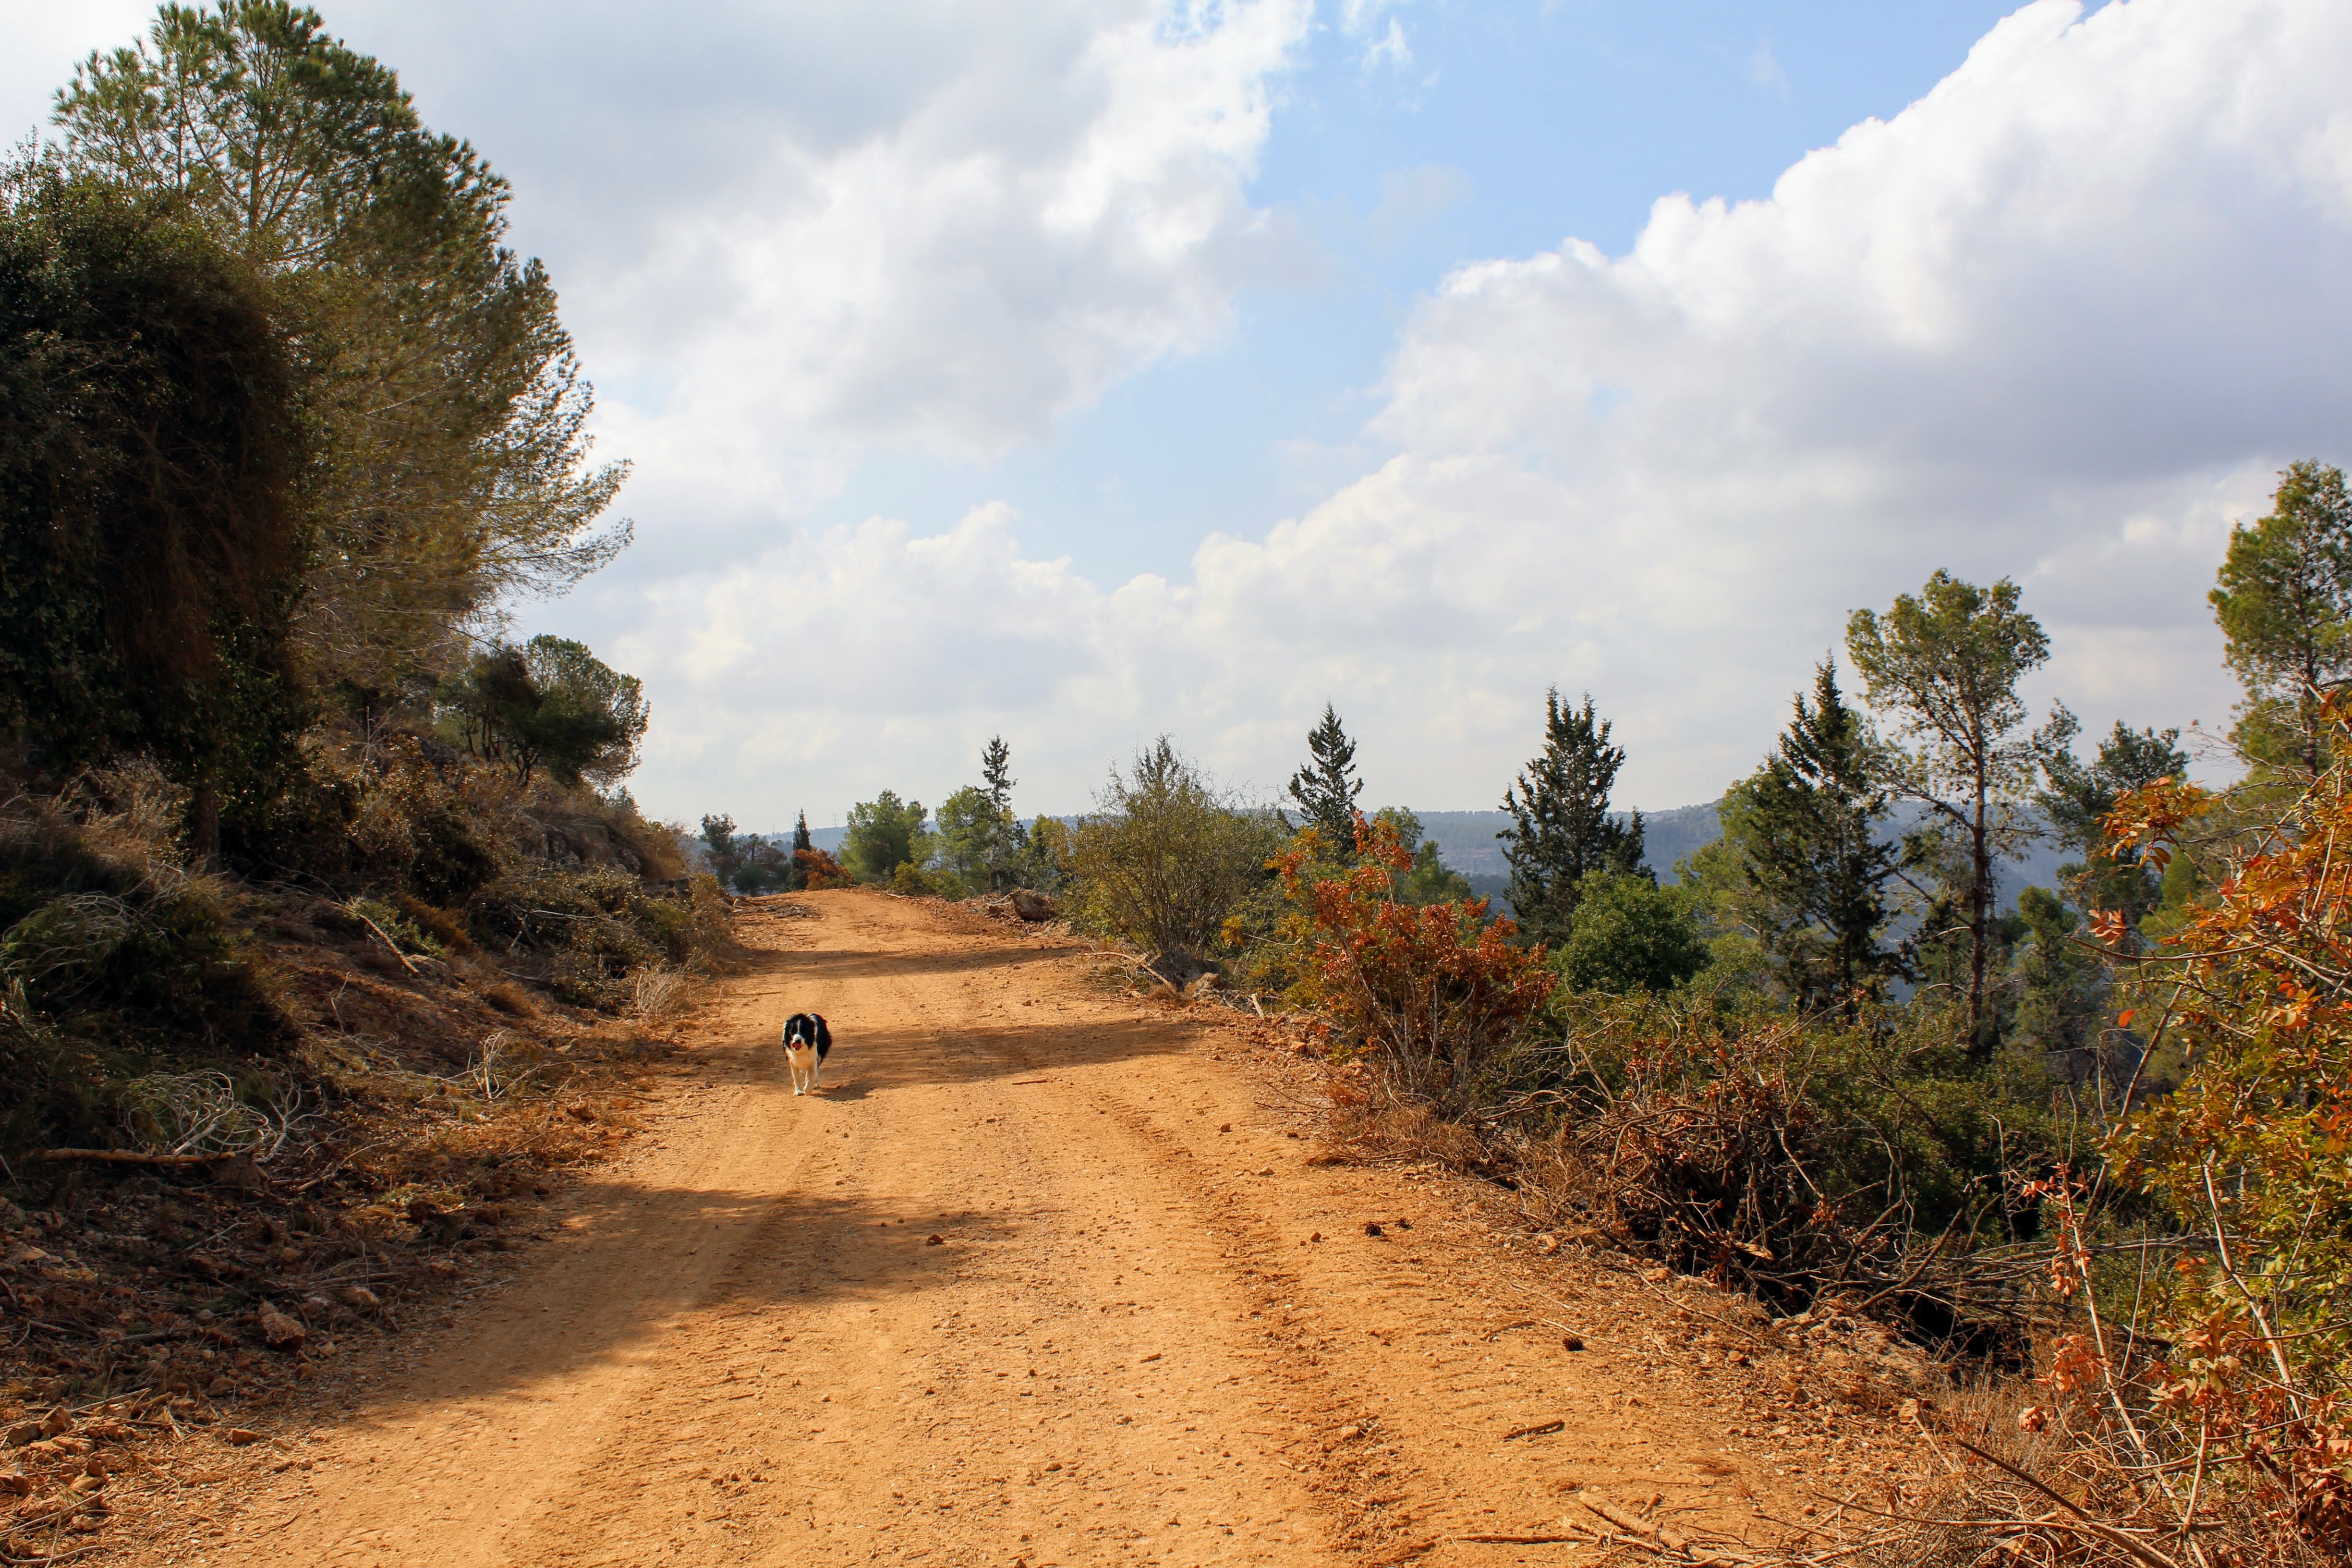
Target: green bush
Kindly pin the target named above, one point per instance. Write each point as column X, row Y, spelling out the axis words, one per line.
column 1167, row 857
column 1629, row 934
column 885, row 833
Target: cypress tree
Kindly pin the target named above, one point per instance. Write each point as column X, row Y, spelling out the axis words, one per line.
column 996, row 773
column 1807, row 829
column 1327, row 787
column 1561, row 827
column 796, row 873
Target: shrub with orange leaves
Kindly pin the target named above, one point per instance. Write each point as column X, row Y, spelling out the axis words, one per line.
column 1436, row 992
column 2252, row 1149
column 821, row 870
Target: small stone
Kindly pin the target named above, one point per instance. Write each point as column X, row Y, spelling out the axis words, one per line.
column 1228, row 1127
column 1372, row 1227
column 931, row 1241
column 1267, row 1171
column 240, row 1437
column 1570, row 1343
column 362, row 1297
column 281, row 1333
column 1349, row 1434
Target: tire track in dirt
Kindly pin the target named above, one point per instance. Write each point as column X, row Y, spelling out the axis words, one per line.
column 1043, row 1275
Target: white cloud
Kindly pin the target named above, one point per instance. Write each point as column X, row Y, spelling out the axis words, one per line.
column 1390, row 51
column 2059, row 320
column 1063, row 206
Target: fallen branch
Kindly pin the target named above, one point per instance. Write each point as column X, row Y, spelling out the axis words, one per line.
column 129, row 1157
column 387, row 942
column 2100, row 1527
column 1540, row 1429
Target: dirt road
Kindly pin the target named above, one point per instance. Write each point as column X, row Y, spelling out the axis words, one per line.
column 1044, row 1275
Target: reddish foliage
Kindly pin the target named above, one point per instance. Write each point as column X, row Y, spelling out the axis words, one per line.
column 1436, row 992
column 822, row 871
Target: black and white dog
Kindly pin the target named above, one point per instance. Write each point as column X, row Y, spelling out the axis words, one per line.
column 806, row 1041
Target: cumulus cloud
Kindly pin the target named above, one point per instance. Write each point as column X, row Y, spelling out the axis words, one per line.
column 1064, row 206
column 2060, row 319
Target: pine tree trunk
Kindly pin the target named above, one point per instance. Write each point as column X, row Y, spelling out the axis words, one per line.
column 1979, row 922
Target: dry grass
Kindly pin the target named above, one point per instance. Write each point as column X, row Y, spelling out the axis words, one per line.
column 660, row 994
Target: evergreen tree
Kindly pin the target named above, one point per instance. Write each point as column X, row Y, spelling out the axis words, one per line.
column 1327, row 787
column 996, row 773
column 1946, row 665
column 982, row 844
column 1009, row 862
column 2076, row 798
column 886, row 833
column 153, row 519
column 1806, row 828
column 1561, row 827
column 719, row 841
column 796, row 875
column 2064, row 995
column 549, row 703
column 2285, row 603
column 451, row 463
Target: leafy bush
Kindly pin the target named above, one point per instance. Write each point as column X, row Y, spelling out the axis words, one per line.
column 2249, row 1151
column 1630, row 934
column 1167, row 857
column 1436, row 992
column 885, row 833
column 819, row 870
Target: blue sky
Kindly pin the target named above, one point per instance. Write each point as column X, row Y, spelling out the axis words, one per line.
column 1509, row 128
column 1089, row 369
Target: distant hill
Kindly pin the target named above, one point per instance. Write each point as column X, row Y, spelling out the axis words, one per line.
column 1465, row 839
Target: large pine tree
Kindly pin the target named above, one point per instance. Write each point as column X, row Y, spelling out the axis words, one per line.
column 2284, row 600
column 1561, row 825
column 1945, row 666
column 1807, row 830
column 1327, row 787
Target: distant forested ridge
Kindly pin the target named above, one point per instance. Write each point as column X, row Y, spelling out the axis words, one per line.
column 1466, row 841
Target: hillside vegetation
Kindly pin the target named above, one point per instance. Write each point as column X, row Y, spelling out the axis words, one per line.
column 325, row 920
